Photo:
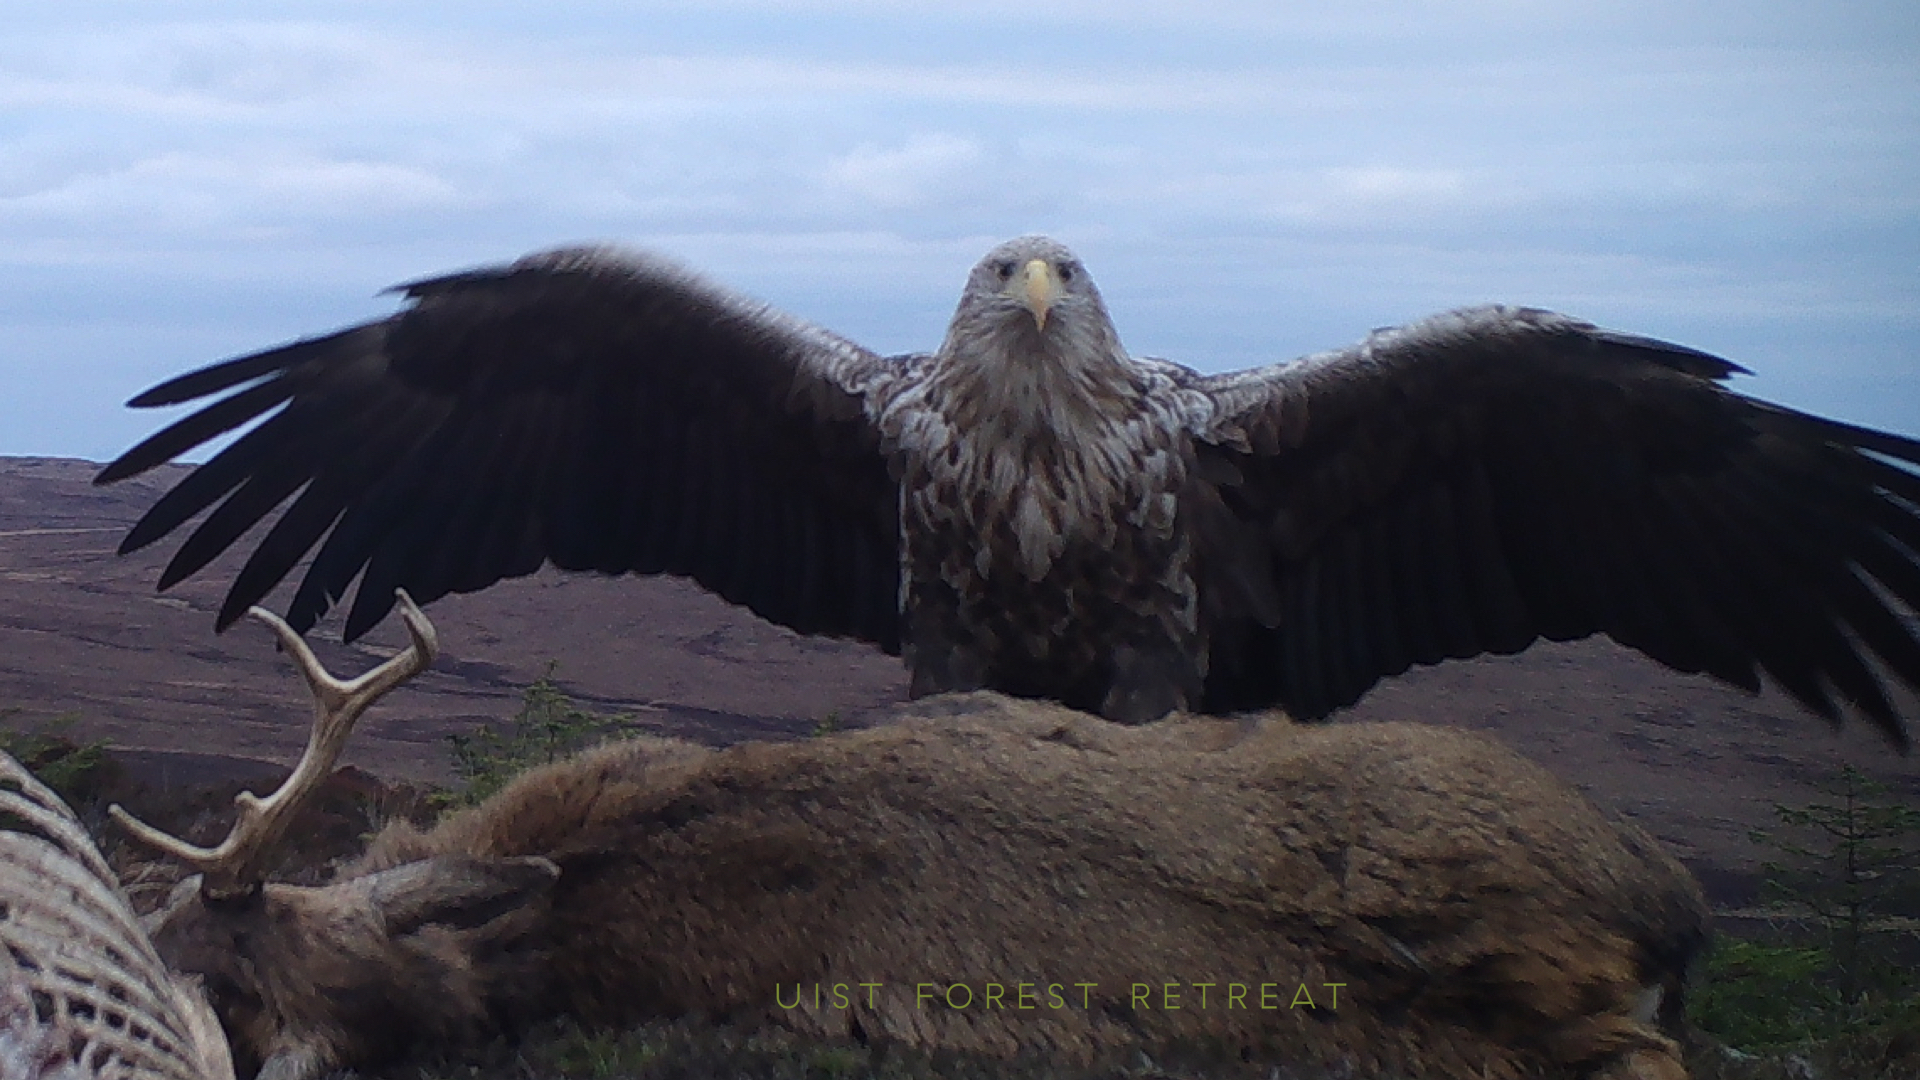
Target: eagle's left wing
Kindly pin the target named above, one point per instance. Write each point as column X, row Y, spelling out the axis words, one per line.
column 589, row 407
column 1482, row 479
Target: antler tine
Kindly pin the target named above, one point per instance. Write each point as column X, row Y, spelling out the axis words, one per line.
column 239, row 864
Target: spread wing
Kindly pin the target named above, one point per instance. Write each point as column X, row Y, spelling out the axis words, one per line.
column 596, row 409
column 1479, row 480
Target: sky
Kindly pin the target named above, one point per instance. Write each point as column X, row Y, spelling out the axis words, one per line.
column 1248, row 182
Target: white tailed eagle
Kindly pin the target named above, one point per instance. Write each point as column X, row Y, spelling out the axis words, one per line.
column 1031, row 509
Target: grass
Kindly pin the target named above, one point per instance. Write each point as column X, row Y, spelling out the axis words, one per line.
column 74, row 770
column 1777, row 1010
column 1833, row 988
column 696, row 1048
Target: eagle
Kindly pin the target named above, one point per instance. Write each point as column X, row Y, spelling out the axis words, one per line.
column 1031, row 509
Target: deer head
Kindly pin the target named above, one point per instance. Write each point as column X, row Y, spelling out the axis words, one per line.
column 306, row 978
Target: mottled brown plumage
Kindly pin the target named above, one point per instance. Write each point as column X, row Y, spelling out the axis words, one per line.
column 1031, row 509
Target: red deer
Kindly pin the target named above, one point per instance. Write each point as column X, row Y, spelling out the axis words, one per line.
column 982, row 874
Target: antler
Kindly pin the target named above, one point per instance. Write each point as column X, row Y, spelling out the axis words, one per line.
column 239, row 864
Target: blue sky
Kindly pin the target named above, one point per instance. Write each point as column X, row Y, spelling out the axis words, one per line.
column 1247, row 181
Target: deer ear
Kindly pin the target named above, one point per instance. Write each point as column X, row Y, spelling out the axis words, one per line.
column 457, row 891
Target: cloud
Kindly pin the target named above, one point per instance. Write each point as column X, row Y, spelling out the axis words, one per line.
column 1248, row 176
column 184, row 190
column 228, row 71
column 923, row 168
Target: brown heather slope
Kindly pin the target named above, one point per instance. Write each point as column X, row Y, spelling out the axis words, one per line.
column 82, row 631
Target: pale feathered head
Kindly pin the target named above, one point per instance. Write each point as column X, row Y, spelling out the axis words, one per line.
column 1030, row 301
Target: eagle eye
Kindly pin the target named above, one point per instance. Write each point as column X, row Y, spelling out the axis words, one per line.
column 1004, row 269
column 1066, row 273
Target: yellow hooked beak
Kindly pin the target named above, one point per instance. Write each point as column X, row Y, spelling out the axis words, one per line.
column 1037, row 287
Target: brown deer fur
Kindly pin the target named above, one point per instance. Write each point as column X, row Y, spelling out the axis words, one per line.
column 1482, row 918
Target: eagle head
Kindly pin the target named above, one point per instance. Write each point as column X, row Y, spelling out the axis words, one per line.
column 1030, row 305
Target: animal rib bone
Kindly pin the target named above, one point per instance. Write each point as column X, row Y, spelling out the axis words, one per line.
column 82, row 990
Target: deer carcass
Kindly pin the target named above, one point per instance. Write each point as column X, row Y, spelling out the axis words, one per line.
column 983, row 874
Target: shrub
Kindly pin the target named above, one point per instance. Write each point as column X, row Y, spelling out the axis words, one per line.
column 1839, row 984
column 548, row 727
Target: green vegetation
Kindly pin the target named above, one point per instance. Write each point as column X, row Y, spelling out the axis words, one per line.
column 1837, row 986
column 1854, row 864
column 548, row 727
column 1761, row 996
column 699, row 1047
column 73, row 770
column 599, row 1055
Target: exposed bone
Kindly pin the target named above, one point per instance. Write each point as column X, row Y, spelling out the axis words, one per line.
column 83, row 993
column 239, row 864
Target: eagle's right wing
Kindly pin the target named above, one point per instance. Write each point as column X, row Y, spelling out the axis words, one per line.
column 1485, row 478
column 597, row 409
